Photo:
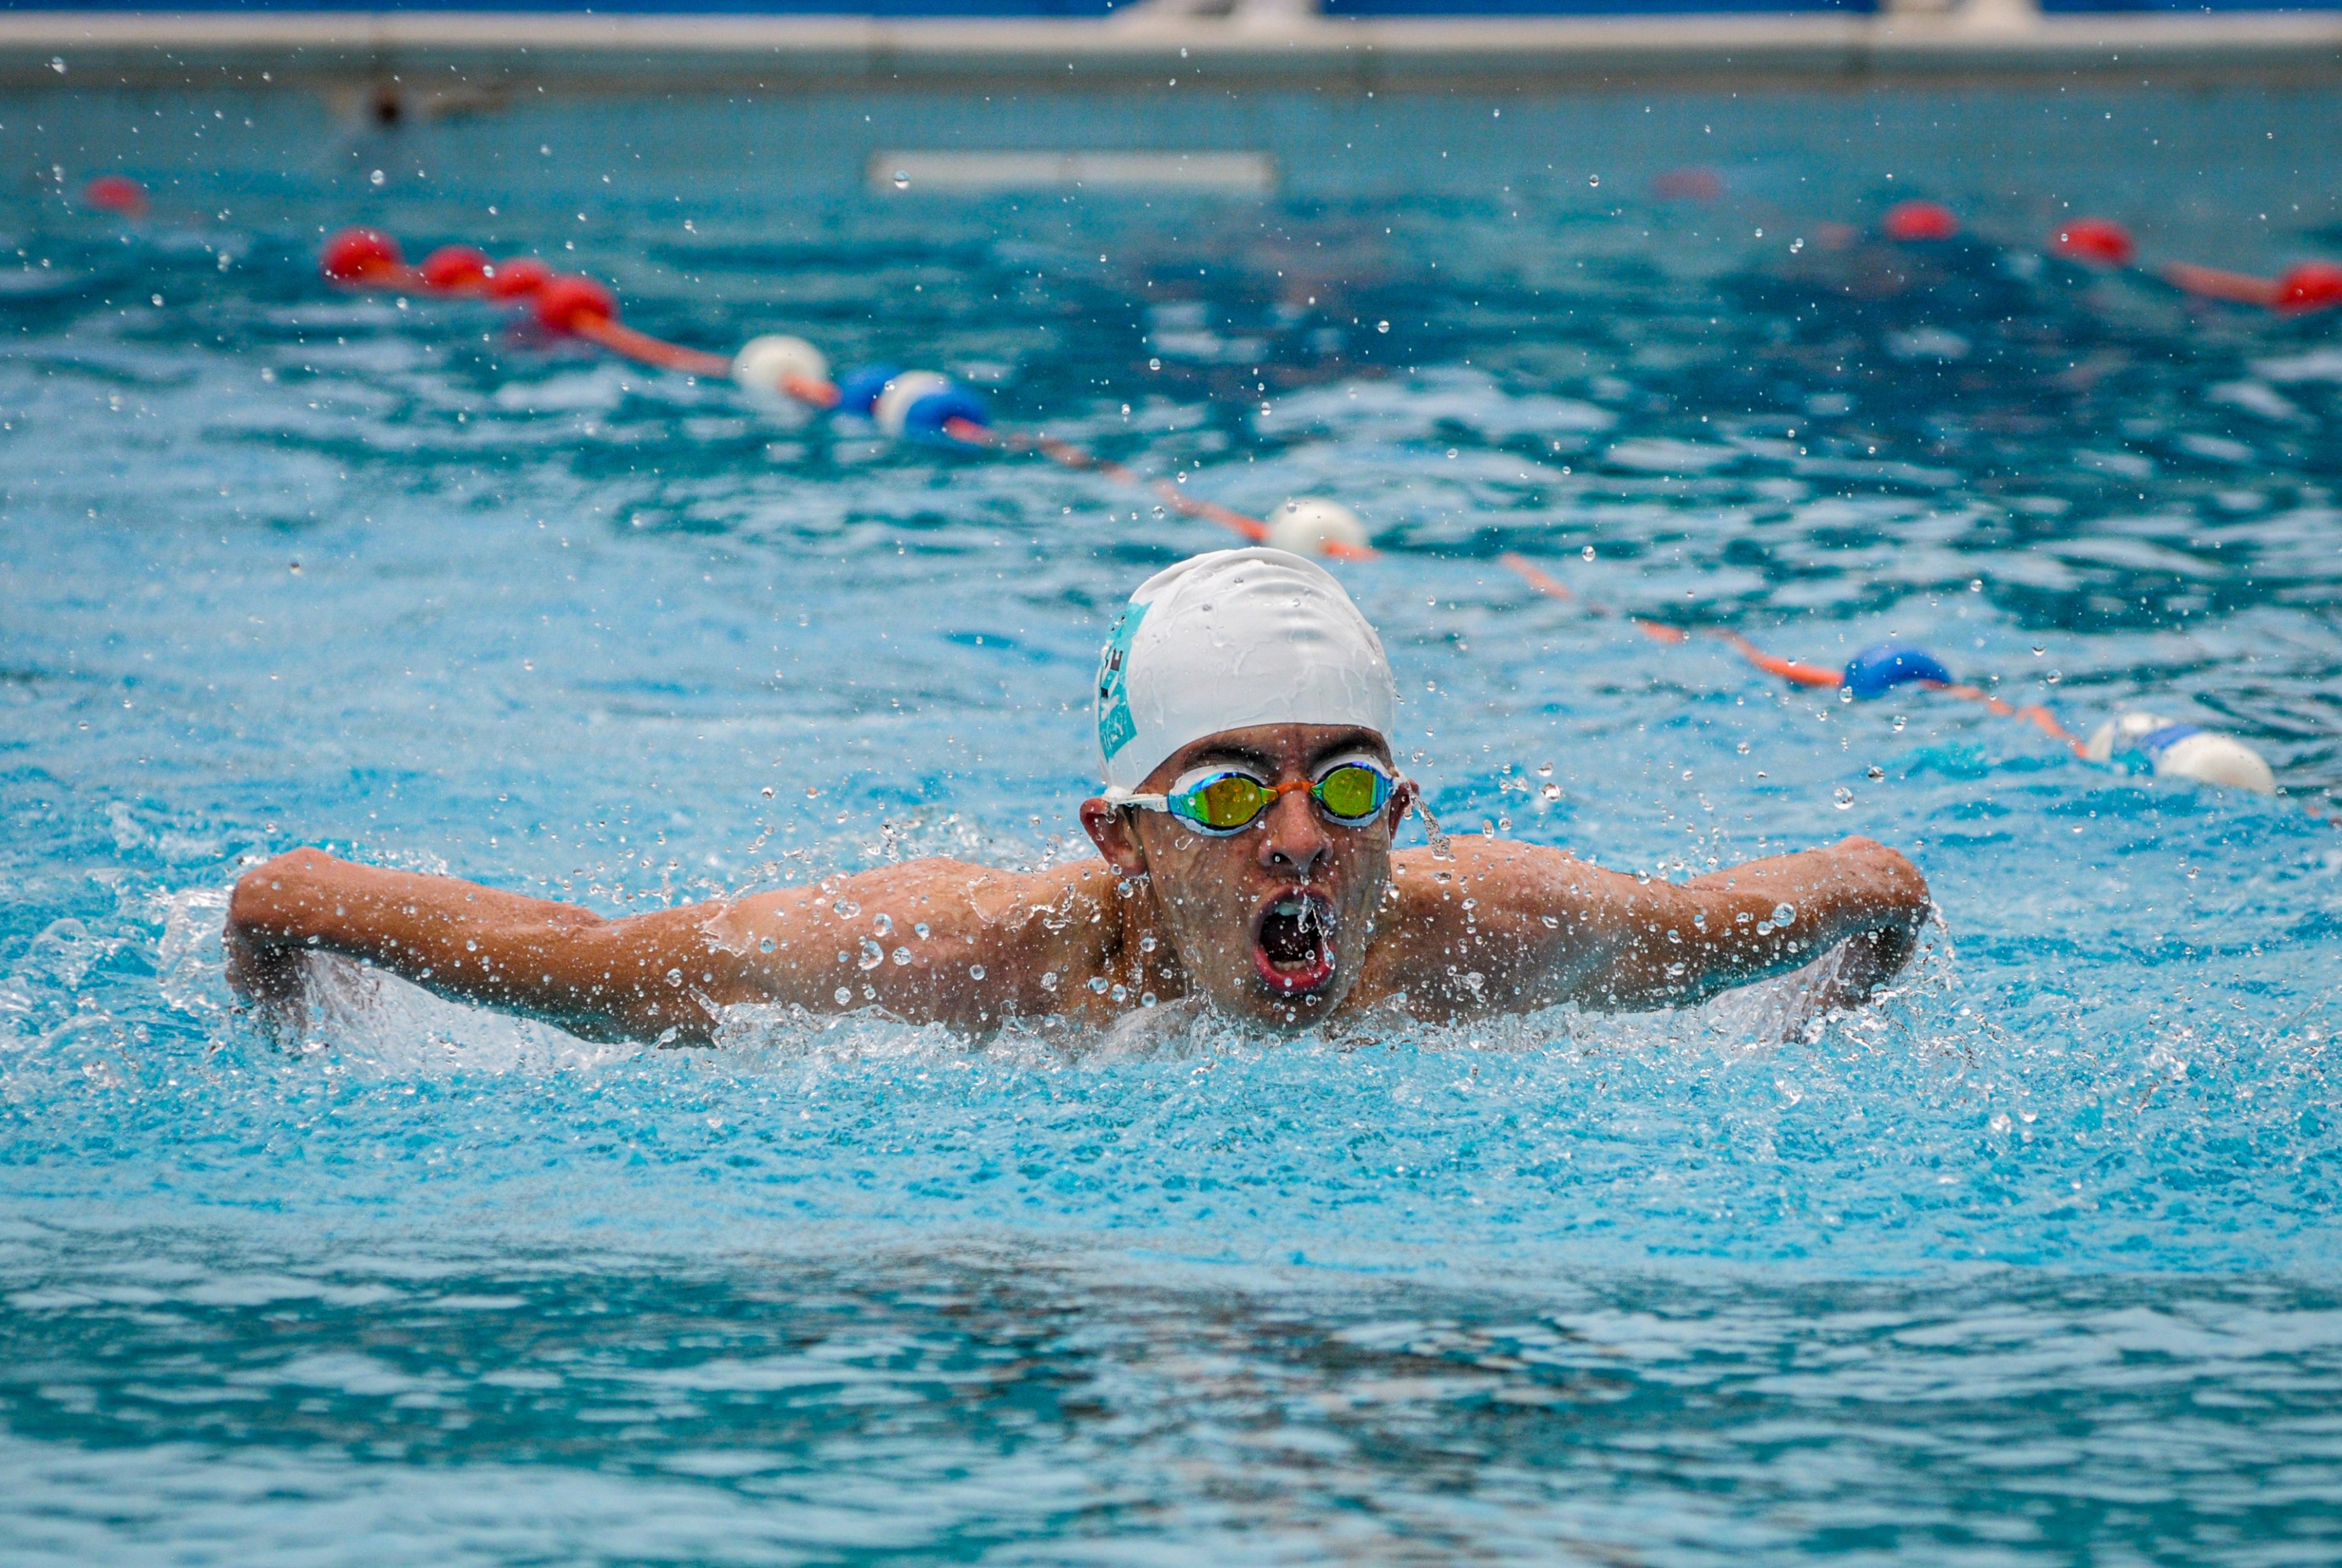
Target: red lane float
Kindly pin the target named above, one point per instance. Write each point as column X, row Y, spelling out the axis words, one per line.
column 2098, row 241
column 116, row 194
column 1919, row 221
column 457, row 269
column 2312, row 285
column 517, row 278
column 368, row 257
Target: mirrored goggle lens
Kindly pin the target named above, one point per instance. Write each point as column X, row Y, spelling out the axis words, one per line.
column 1229, row 801
column 1352, row 792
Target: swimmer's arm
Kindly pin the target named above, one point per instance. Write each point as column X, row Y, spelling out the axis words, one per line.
column 991, row 938
column 1554, row 928
column 1856, row 892
column 602, row 979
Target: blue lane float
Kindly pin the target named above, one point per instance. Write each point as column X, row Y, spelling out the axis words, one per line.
column 1875, row 672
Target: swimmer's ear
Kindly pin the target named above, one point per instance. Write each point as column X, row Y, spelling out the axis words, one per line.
column 1117, row 836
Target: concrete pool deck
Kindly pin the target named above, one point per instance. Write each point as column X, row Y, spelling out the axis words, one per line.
column 1988, row 44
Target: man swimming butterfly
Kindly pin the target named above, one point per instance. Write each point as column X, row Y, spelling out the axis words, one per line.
column 1245, row 713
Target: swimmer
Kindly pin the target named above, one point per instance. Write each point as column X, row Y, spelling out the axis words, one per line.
column 1245, row 830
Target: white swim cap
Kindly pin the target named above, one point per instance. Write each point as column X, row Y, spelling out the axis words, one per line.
column 1229, row 639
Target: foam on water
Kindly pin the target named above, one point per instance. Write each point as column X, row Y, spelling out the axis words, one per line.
column 2033, row 1260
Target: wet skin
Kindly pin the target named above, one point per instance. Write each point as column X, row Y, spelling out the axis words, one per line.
column 1294, row 920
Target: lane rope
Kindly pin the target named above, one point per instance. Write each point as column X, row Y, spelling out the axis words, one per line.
column 2135, row 742
column 928, row 406
column 907, row 404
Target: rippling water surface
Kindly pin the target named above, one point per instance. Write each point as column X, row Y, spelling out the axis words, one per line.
column 2035, row 1261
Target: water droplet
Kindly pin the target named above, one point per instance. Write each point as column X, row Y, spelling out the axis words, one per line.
column 1876, row 773
column 766, row 945
column 886, row 925
column 1147, row 999
column 768, row 792
column 1122, row 992
column 846, row 908
column 1048, row 980
column 1785, row 915
column 1551, row 792
column 1382, row 327
column 902, row 956
column 1544, row 770
column 1154, row 365
column 873, row 955
column 1146, row 944
column 1550, row 922
column 844, row 995
column 1594, row 179
column 1098, row 983
column 2039, row 649
column 1843, row 799
column 375, row 178
column 1899, row 722
column 1451, row 454
column 920, row 931
column 2054, row 676
column 1587, row 552
column 901, row 181
column 1976, row 585
column 976, row 972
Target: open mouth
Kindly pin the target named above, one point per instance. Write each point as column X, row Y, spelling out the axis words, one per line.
column 1293, row 942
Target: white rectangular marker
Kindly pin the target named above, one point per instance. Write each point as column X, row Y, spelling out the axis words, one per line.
column 914, row 172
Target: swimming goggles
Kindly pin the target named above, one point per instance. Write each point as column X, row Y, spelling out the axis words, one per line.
column 1224, row 799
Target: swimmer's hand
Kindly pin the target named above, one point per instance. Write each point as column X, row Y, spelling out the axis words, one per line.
column 1857, row 895
column 267, row 973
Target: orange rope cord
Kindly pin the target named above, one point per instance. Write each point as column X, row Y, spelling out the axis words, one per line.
column 2241, row 289
column 1791, row 670
column 641, row 347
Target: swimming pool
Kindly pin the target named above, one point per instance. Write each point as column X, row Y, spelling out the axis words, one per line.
column 2035, row 1263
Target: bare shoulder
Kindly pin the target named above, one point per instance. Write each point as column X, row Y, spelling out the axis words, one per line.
column 927, row 936
column 1493, row 924
column 1485, row 875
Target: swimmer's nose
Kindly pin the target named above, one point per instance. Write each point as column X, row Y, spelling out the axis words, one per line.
column 1293, row 841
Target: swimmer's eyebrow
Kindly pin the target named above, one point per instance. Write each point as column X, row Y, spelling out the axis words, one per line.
column 1356, row 741
column 1261, row 762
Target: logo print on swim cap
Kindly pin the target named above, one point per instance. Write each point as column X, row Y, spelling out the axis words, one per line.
column 1115, row 726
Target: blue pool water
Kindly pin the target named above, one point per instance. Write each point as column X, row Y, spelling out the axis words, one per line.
column 2035, row 1262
